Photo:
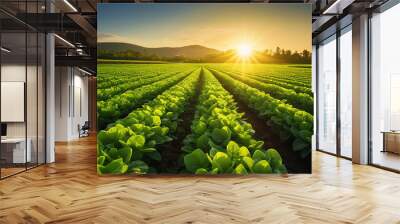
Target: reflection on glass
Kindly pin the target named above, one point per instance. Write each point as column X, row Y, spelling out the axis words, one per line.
column 327, row 96
column 41, row 99
column 22, row 89
column 394, row 102
column 31, row 99
column 346, row 93
column 14, row 153
column 385, row 89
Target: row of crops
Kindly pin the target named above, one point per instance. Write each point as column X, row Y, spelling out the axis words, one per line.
column 146, row 111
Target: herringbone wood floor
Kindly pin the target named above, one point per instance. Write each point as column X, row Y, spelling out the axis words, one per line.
column 69, row 191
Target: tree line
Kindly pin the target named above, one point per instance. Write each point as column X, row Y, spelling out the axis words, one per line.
column 279, row 55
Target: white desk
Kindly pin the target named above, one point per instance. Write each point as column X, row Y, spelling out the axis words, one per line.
column 18, row 151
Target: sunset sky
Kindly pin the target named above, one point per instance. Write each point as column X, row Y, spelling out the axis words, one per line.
column 219, row 26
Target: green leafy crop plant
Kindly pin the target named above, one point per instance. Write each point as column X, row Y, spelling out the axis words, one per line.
column 112, row 75
column 301, row 101
column 105, row 94
column 130, row 143
column 290, row 121
column 221, row 141
column 284, row 84
column 120, row 105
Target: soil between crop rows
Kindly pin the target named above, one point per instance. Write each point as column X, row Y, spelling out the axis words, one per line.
column 292, row 160
column 171, row 153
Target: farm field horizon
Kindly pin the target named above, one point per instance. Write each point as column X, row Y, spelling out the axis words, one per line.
column 204, row 118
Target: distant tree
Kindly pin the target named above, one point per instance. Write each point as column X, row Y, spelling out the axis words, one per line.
column 279, row 55
column 306, row 54
column 287, row 53
column 277, row 52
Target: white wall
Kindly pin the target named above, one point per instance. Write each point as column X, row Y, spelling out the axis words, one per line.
column 33, row 127
column 62, row 82
column 13, row 72
column 81, row 94
column 71, row 87
column 9, row 73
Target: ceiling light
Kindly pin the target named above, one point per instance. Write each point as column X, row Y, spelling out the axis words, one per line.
column 338, row 6
column 79, row 51
column 5, row 50
column 64, row 40
column 86, row 72
column 70, row 5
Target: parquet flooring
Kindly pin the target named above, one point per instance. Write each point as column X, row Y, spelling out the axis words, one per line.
column 69, row 191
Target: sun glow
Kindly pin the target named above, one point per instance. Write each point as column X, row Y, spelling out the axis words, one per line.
column 244, row 51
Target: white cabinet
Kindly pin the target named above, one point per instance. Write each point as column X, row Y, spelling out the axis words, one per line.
column 17, row 146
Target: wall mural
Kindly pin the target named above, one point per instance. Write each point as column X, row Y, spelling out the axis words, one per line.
column 204, row 89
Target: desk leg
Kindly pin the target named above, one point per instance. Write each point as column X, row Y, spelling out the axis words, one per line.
column 384, row 142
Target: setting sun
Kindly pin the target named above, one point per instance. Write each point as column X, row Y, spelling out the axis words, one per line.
column 244, row 50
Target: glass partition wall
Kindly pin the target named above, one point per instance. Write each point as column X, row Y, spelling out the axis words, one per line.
column 13, row 90
column 22, row 67
column 326, row 104
column 334, row 94
column 334, row 105
column 385, row 89
column 345, row 92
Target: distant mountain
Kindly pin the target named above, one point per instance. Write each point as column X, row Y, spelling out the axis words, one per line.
column 191, row 51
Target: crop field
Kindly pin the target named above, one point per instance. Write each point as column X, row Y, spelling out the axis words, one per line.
column 204, row 118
